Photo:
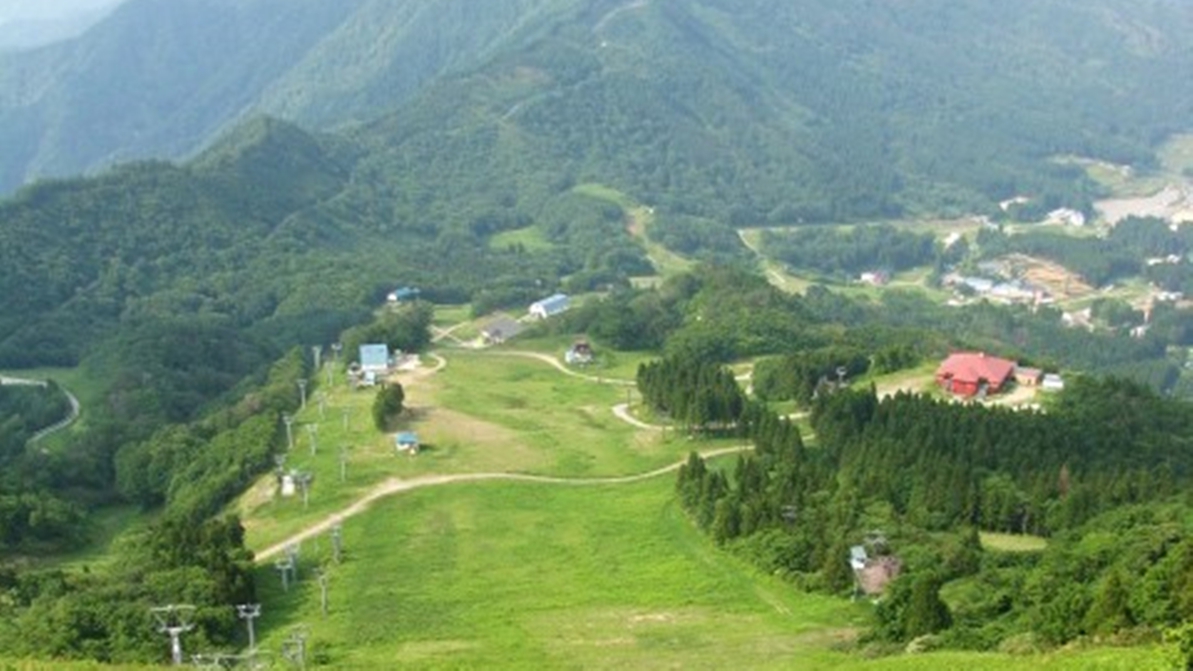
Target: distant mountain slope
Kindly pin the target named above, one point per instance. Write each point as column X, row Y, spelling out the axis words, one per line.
column 761, row 101
column 769, row 112
column 161, row 78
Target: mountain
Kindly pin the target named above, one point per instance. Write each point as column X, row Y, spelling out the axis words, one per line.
column 520, row 115
column 162, row 78
column 771, row 113
column 795, row 111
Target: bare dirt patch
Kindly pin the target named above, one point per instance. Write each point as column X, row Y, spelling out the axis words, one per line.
column 1173, row 202
column 1058, row 280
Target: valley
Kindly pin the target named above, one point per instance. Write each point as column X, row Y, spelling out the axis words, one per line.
column 598, row 334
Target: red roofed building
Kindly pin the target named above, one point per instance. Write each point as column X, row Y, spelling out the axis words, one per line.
column 968, row 373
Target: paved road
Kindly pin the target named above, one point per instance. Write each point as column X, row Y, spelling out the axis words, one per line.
column 53, row 428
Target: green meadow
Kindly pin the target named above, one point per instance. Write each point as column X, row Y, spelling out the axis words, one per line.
column 543, row 575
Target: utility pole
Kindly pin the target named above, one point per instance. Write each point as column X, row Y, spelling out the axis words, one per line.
column 337, row 542
column 303, row 480
column 312, row 429
column 284, row 565
column 288, row 420
column 292, row 551
column 302, row 391
column 249, row 612
column 174, row 621
column 322, row 573
column 294, row 648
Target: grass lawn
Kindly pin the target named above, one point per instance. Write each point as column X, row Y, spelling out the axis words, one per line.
column 541, row 421
column 536, row 576
column 522, row 415
column 501, row 575
column 1012, row 542
column 530, row 238
column 450, row 315
column 609, row 363
column 918, row 379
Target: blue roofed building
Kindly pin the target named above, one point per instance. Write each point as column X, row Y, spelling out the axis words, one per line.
column 550, row 306
column 374, row 358
column 403, row 294
column 406, row 441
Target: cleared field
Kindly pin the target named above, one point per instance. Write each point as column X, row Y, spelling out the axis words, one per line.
column 524, row 575
column 450, row 315
column 539, row 576
column 914, row 380
column 1012, row 542
column 62, row 665
column 523, row 416
column 530, row 238
column 638, row 220
column 552, row 423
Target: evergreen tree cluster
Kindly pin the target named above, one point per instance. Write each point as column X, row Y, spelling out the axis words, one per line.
column 862, row 248
column 798, row 376
column 387, row 405
column 1107, row 464
column 697, row 394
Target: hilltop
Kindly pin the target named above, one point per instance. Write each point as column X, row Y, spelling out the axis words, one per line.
column 768, row 113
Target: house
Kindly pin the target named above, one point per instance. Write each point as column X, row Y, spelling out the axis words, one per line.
column 1066, row 217
column 550, row 306
column 877, row 573
column 374, row 358
column 499, row 329
column 1052, row 382
column 579, row 354
column 406, row 441
column 402, row 295
column 974, row 373
column 858, row 557
column 876, row 278
column 1028, row 377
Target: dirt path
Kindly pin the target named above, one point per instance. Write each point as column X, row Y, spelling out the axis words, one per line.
column 394, row 486
column 438, row 334
column 559, row 365
column 622, row 410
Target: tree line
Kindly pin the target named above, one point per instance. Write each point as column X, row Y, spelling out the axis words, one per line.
column 1103, row 475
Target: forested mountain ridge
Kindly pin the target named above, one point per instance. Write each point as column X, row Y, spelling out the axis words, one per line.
column 757, row 112
column 149, row 240
column 162, row 78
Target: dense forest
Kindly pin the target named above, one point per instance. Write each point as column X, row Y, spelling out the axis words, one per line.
column 188, row 421
column 788, row 120
column 1103, row 475
column 846, row 254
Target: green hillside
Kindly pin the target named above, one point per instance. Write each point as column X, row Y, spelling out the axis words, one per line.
column 764, row 113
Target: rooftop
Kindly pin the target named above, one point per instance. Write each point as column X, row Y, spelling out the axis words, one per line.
column 975, row 366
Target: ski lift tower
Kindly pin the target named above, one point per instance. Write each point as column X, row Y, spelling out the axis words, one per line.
column 174, row 621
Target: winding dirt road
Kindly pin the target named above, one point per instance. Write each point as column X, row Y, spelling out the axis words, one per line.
column 561, row 367
column 395, row 486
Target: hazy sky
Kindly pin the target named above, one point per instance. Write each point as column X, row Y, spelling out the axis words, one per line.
column 48, row 9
